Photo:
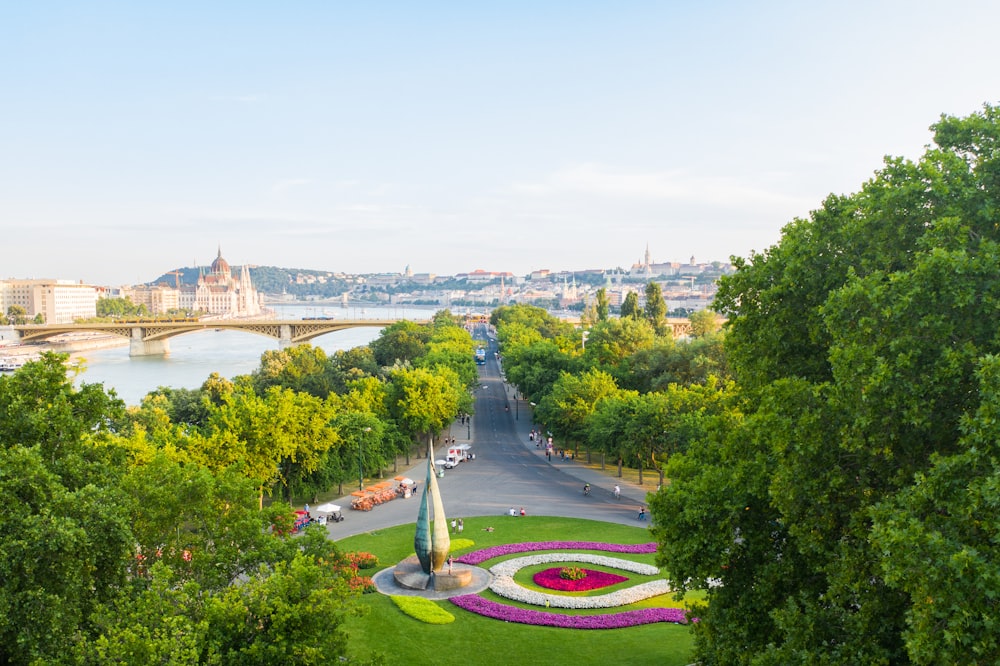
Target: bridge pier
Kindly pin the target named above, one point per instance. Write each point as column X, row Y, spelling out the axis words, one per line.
column 139, row 346
column 285, row 336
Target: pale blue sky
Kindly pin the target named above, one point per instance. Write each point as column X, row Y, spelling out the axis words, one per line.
column 451, row 136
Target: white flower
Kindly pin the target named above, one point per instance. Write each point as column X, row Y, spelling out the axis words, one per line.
column 504, row 584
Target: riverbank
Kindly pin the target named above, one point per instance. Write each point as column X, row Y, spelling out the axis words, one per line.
column 69, row 344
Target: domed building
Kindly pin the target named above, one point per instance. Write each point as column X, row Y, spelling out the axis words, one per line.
column 219, row 293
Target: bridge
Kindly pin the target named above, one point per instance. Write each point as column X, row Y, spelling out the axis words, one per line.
column 150, row 338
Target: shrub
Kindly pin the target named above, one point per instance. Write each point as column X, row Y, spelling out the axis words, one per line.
column 572, row 573
column 363, row 560
column 422, row 609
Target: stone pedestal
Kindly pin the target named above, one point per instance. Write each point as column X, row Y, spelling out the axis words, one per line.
column 410, row 575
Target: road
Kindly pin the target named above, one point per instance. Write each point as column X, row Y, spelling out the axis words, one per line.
column 509, row 471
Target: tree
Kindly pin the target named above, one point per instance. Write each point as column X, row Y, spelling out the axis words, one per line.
column 602, row 304
column 16, row 314
column 630, row 306
column 655, row 310
column 120, row 307
column 422, row 402
column 572, row 399
column 400, row 342
column 62, row 553
column 610, row 342
column 942, row 519
column 856, row 343
column 270, row 437
column 703, row 322
column 299, row 367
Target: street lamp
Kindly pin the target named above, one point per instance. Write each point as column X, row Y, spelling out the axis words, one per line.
column 361, row 474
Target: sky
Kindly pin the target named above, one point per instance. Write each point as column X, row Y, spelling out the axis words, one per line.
column 365, row 137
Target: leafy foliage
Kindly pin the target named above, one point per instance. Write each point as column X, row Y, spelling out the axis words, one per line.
column 845, row 510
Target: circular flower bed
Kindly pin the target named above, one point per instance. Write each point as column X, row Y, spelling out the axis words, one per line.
column 553, row 579
column 505, row 586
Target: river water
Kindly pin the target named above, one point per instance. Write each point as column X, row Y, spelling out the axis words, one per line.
column 194, row 356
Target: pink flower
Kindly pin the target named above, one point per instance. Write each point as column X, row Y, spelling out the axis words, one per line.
column 594, row 580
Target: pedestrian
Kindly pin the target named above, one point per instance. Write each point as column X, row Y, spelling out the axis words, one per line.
column 454, row 525
column 618, row 491
column 450, row 561
column 522, row 511
column 307, row 509
column 461, row 526
column 642, row 513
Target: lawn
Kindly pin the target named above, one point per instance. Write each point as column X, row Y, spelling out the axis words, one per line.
column 473, row 639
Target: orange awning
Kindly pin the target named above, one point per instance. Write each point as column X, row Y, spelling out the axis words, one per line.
column 359, row 493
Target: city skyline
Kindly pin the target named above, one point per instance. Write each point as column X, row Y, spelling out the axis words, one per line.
column 450, row 138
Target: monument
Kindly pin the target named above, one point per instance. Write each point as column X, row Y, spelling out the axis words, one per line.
column 426, row 569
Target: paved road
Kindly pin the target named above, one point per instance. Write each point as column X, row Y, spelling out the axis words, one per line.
column 509, row 471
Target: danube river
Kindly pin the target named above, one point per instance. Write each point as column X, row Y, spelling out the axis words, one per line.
column 194, row 356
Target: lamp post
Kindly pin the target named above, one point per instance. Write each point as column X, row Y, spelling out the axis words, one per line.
column 361, row 474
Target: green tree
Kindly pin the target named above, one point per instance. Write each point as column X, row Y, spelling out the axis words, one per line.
column 630, row 306
column 602, row 304
column 422, row 402
column 856, row 343
column 403, row 342
column 16, row 314
column 655, row 310
column 703, row 322
column 299, row 368
column 610, row 342
column 572, row 399
column 120, row 307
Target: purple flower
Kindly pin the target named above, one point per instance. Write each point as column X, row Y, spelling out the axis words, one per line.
column 479, row 556
column 476, row 604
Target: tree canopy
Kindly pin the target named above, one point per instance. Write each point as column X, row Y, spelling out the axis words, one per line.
column 836, row 513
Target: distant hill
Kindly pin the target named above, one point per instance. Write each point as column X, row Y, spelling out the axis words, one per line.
column 299, row 282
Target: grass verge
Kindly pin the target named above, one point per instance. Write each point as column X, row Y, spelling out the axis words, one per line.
column 482, row 641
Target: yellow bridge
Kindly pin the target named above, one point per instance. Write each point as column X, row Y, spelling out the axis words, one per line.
column 148, row 338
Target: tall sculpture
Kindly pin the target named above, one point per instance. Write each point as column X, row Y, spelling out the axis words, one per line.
column 431, row 546
column 440, row 541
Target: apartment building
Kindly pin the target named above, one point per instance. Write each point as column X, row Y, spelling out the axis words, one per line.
column 57, row 301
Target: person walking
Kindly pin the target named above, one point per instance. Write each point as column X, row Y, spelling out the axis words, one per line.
column 642, row 513
column 618, row 492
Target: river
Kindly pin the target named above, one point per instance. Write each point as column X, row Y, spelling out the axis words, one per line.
column 194, row 356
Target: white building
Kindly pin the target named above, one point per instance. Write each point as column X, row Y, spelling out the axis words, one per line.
column 220, row 293
column 57, row 301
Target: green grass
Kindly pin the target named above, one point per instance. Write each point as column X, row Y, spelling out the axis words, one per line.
column 473, row 639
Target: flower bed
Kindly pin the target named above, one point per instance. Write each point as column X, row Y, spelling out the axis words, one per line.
column 480, row 556
column 504, row 584
column 512, row 566
column 592, row 580
column 476, row 604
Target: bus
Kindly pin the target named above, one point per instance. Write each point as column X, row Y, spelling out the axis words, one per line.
column 481, row 356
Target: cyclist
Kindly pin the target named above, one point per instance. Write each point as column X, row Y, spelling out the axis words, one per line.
column 586, row 489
